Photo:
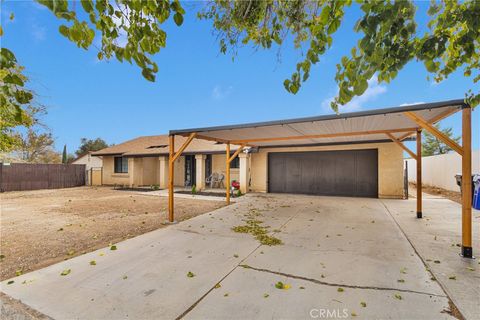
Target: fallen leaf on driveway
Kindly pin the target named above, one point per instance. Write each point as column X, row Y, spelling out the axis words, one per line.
column 65, row 272
column 397, row 296
column 190, row 274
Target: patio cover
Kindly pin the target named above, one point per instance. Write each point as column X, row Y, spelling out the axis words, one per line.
column 391, row 124
column 355, row 127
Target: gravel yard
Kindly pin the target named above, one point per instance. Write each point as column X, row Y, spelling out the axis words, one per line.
column 42, row 227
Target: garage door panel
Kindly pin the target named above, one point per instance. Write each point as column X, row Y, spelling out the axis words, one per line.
column 344, row 164
column 334, row 173
column 366, row 172
column 278, row 182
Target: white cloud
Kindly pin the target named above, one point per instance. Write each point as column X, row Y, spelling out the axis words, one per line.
column 358, row 102
column 220, row 93
column 39, row 33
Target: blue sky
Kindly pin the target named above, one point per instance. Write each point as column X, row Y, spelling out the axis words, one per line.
column 196, row 85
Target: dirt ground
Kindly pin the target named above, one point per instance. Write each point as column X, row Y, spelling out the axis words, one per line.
column 42, row 227
column 451, row 195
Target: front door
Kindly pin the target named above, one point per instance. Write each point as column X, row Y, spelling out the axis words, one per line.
column 190, row 170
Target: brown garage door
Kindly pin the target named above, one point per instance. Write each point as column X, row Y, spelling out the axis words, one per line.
column 352, row 173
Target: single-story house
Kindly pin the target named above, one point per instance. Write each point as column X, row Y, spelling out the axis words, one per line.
column 371, row 169
column 143, row 161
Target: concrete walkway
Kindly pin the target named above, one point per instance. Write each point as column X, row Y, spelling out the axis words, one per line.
column 340, row 257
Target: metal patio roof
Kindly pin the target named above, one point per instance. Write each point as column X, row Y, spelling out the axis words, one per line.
column 355, row 127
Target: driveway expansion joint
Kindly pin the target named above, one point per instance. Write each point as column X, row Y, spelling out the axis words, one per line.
column 316, row 281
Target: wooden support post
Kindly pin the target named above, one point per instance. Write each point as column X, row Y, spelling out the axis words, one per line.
column 467, row 182
column 171, row 164
column 171, row 171
column 227, row 171
column 419, row 173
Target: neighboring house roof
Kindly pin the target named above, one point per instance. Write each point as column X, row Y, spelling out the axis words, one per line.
column 80, row 157
column 158, row 145
column 87, row 157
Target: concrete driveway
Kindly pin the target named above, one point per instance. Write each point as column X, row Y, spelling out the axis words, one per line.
column 340, row 258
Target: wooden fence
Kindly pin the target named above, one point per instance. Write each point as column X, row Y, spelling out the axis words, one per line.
column 27, row 176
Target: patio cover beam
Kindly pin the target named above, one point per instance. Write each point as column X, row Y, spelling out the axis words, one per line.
column 439, row 117
column 328, row 135
column 437, row 133
column 399, row 143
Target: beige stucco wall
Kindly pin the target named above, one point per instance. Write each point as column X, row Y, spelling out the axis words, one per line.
column 218, row 165
column 150, row 171
column 390, row 166
column 111, row 178
column 146, row 172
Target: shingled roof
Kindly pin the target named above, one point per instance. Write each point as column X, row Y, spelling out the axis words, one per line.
column 158, row 146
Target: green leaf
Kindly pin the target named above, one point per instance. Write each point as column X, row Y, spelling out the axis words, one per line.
column 87, row 5
column 64, row 31
column 14, row 79
column 430, row 65
column 323, row 19
column 361, row 86
column 333, row 26
column 113, row 247
column 147, row 74
column 178, row 18
column 190, row 274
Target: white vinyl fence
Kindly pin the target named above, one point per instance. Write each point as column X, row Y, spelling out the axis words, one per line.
column 440, row 170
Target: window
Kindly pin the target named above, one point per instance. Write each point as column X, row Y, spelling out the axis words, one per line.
column 235, row 164
column 121, row 165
